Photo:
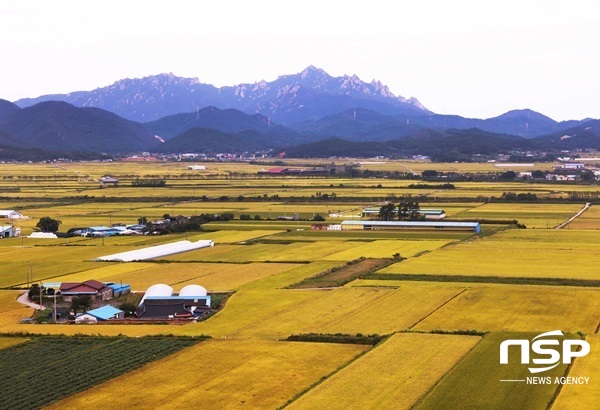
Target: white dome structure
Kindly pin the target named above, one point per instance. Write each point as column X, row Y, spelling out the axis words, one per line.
column 193, row 290
column 159, row 289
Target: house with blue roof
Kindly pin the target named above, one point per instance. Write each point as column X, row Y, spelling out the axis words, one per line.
column 100, row 314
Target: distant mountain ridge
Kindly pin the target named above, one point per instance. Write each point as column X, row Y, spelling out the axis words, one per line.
column 228, row 120
column 289, row 98
column 59, row 126
column 359, row 124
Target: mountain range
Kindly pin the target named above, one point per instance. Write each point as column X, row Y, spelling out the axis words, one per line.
column 309, row 94
column 300, row 110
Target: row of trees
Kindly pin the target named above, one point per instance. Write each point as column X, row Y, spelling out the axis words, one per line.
column 408, row 210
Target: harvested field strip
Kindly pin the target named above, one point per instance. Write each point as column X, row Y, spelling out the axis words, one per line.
column 344, row 274
column 63, row 366
column 475, row 381
column 574, row 396
column 233, row 374
column 393, row 375
column 483, row 279
column 519, row 308
column 11, row 341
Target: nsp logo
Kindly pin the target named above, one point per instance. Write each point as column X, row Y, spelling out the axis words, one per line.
column 539, row 345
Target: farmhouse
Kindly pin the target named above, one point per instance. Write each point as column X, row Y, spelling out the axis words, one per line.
column 101, row 314
column 410, row 225
column 196, row 167
column 93, row 288
column 159, row 302
column 433, row 214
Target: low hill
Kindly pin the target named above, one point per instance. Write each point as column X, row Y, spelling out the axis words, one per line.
column 229, row 120
column 60, row 126
column 586, row 135
column 210, row 141
column 359, row 124
column 6, row 107
column 440, row 145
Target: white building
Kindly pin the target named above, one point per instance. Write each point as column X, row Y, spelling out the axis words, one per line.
column 7, row 231
column 12, row 214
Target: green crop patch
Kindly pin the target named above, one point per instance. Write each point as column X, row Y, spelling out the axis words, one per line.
column 62, row 366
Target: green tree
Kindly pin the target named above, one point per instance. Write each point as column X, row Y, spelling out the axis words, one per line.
column 387, row 212
column 47, row 224
column 508, row 176
column 83, row 303
column 129, row 308
column 408, row 210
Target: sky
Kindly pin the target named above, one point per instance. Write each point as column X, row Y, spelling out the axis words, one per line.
column 472, row 58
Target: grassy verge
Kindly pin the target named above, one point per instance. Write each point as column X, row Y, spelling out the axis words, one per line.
column 341, row 275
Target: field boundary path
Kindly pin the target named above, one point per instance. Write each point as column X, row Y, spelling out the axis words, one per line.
column 571, row 219
column 24, row 300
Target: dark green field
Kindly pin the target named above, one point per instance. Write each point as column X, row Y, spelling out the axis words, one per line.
column 46, row 369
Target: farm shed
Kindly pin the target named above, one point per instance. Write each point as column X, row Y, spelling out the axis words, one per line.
column 376, row 225
column 100, row 315
column 428, row 213
column 108, row 180
column 156, row 251
column 7, row 231
column 160, row 303
column 11, row 214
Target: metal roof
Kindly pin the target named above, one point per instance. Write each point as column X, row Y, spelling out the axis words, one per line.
column 413, row 223
column 104, row 312
column 156, row 251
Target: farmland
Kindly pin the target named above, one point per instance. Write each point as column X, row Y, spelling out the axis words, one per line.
column 483, row 388
column 74, row 365
column 431, row 296
column 257, row 374
column 395, row 375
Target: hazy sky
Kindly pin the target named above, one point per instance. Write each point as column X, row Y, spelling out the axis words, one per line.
column 468, row 57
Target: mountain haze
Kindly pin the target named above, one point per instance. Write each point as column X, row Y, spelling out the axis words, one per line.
column 289, row 98
column 59, row 126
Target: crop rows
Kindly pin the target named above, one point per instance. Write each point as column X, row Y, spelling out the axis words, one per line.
column 44, row 370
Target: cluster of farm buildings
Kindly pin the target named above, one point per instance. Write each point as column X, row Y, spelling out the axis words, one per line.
column 158, row 303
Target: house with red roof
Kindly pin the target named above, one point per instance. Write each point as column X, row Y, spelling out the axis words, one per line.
column 97, row 290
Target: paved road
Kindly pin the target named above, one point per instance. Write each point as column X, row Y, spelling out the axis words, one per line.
column 24, row 300
column 571, row 219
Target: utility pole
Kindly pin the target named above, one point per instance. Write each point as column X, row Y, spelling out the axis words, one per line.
column 54, row 312
column 41, row 301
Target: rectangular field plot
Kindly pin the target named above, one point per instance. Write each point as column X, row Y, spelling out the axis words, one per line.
column 582, row 396
column 394, row 375
column 64, row 366
column 221, row 374
column 590, row 219
column 386, row 249
column 513, row 253
column 396, row 311
column 512, row 308
column 532, row 215
column 272, row 314
column 212, row 276
column 17, row 262
column 293, row 252
column 475, row 383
